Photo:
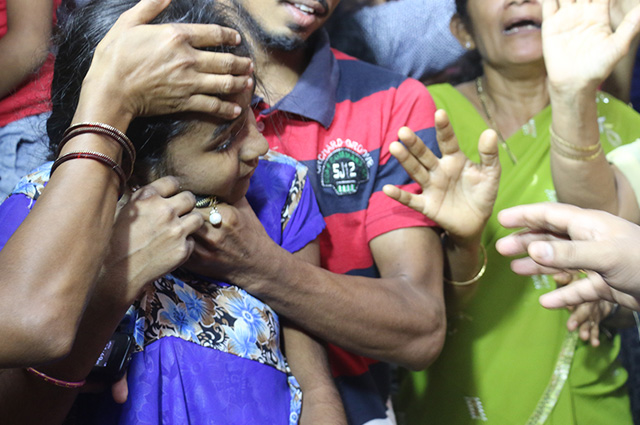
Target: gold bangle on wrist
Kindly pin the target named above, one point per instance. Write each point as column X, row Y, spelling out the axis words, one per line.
column 559, row 140
column 477, row 276
column 572, row 151
column 577, row 157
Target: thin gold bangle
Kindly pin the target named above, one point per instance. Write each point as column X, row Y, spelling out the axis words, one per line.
column 564, row 154
column 477, row 276
column 585, row 149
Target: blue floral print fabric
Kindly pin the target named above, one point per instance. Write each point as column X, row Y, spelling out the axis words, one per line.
column 208, row 352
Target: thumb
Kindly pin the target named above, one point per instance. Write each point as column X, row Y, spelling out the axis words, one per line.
column 120, row 390
column 488, row 149
column 628, row 28
column 541, row 252
column 573, row 255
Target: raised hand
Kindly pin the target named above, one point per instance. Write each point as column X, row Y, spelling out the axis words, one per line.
column 579, row 45
column 175, row 75
column 457, row 193
column 563, row 237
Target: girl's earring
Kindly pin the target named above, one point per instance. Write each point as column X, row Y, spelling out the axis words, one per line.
column 215, row 218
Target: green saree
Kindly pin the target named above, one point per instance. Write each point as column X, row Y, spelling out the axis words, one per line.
column 506, row 351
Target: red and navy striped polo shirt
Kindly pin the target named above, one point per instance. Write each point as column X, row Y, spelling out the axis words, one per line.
column 339, row 121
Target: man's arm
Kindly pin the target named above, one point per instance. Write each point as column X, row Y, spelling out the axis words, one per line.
column 25, row 46
column 307, row 357
column 398, row 317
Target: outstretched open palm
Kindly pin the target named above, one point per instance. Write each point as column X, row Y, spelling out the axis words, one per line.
column 579, row 44
column 457, row 193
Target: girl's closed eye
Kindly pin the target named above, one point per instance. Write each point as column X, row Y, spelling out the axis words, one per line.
column 237, row 129
column 224, row 145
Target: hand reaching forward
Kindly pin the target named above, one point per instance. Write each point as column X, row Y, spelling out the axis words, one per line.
column 457, row 193
column 580, row 48
column 563, row 237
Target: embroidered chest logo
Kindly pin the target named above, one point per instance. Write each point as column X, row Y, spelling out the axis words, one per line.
column 343, row 165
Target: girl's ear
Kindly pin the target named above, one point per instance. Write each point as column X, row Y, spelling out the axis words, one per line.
column 461, row 33
column 143, row 174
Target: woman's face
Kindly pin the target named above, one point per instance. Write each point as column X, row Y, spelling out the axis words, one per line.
column 506, row 32
column 216, row 157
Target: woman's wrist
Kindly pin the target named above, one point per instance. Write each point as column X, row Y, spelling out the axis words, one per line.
column 97, row 104
column 572, row 94
column 468, row 245
column 100, row 102
column 466, row 260
column 481, row 267
column 575, row 117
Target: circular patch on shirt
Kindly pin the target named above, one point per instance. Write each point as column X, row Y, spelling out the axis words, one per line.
column 344, row 170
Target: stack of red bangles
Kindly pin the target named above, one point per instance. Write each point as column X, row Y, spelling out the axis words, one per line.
column 55, row 381
column 128, row 150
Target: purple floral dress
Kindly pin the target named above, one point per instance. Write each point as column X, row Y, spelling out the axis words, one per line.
column 207, row 352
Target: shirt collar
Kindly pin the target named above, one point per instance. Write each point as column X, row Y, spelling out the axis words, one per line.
column 314, row 95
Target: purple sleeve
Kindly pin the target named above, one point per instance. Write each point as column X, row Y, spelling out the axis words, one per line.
column 13, row 211
column 306, row 222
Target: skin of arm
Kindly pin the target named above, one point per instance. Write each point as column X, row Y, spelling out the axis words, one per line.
column 150, row 238
column 573, row 80
column 25, row 46
column 307, row 357
column 41, row 301
column 456, row 193
column 398, row 317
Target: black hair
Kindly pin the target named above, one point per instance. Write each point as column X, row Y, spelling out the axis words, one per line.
column 76, row 42
column 463, row 12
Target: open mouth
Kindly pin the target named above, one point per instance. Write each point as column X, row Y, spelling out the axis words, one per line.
column 309, row 7
column 519, row 25
column 306, row 9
